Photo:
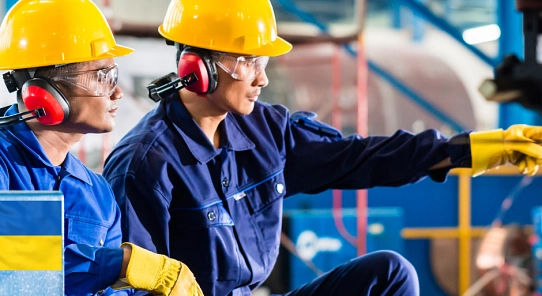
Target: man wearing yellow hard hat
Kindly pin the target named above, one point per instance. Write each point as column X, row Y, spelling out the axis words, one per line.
column 203, row 176
column 60, row 56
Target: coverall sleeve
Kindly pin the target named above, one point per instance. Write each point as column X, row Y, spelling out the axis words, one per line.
column 91, row 270
column 145, row 213
column 318, row 159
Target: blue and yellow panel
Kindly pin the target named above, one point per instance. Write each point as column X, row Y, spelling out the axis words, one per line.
column 31, row 244
column 317, row 239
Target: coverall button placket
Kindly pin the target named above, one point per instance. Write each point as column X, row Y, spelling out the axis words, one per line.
column 60, row 176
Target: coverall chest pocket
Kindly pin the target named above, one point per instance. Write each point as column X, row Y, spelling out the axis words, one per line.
column 266, row 193
column 85, row 232
column 204, row 240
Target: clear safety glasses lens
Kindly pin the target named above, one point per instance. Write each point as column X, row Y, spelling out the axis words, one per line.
column 97, row 83
column 241, row 68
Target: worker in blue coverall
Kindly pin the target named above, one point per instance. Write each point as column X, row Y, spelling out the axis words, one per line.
column 61, row 56
column 203, row 176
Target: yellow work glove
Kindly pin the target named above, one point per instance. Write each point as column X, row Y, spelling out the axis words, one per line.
column 159, row 274
column 516, row 145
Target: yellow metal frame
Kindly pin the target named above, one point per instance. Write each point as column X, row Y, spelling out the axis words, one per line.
column 464, row 232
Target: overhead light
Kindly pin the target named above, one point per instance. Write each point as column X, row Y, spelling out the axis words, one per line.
column 482, row 34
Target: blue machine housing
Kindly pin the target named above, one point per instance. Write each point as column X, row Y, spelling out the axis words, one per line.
column 427, row 204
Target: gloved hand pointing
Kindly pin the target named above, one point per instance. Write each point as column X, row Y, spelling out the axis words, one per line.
column 516, row 145
column 158, row 274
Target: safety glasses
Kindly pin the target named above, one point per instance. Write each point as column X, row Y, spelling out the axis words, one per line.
column 240, row 67
column 93, row 83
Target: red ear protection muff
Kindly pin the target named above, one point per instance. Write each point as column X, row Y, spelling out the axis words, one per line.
column 40, row 93
column 198, row 61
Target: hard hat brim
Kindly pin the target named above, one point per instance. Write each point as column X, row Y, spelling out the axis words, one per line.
column 273, row 49
column 114, row 52
column 117, row 51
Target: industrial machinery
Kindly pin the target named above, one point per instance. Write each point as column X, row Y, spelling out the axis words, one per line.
column 504, row 263
column 516, row 80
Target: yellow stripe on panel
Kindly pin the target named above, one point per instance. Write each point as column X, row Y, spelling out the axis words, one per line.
column 30, row 252
column 440, row 232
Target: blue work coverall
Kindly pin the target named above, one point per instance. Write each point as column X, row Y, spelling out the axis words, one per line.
column 219, row 210
column 92, row 233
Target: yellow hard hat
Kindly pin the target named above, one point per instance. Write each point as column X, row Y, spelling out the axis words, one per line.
column 37, row 33
column 244, row 27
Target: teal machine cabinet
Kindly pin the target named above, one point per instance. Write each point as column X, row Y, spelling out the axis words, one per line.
column 318, row 241
column 31, row 243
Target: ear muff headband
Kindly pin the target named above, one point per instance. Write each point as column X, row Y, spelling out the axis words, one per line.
column 39, row 93
column 198, row 61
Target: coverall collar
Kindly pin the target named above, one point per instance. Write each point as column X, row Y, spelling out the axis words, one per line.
column 24, row 135
column 233, row 138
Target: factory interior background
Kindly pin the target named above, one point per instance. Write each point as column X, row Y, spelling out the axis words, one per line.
column 373, row 67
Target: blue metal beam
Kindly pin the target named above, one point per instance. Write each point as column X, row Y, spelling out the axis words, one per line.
column 288, row 5
column 404, row 89
column 414, row 96
column 9, row 3
column 397, row 18
column 410, row 93
column 511, row 24
column 421, row 10
column 418, row 25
